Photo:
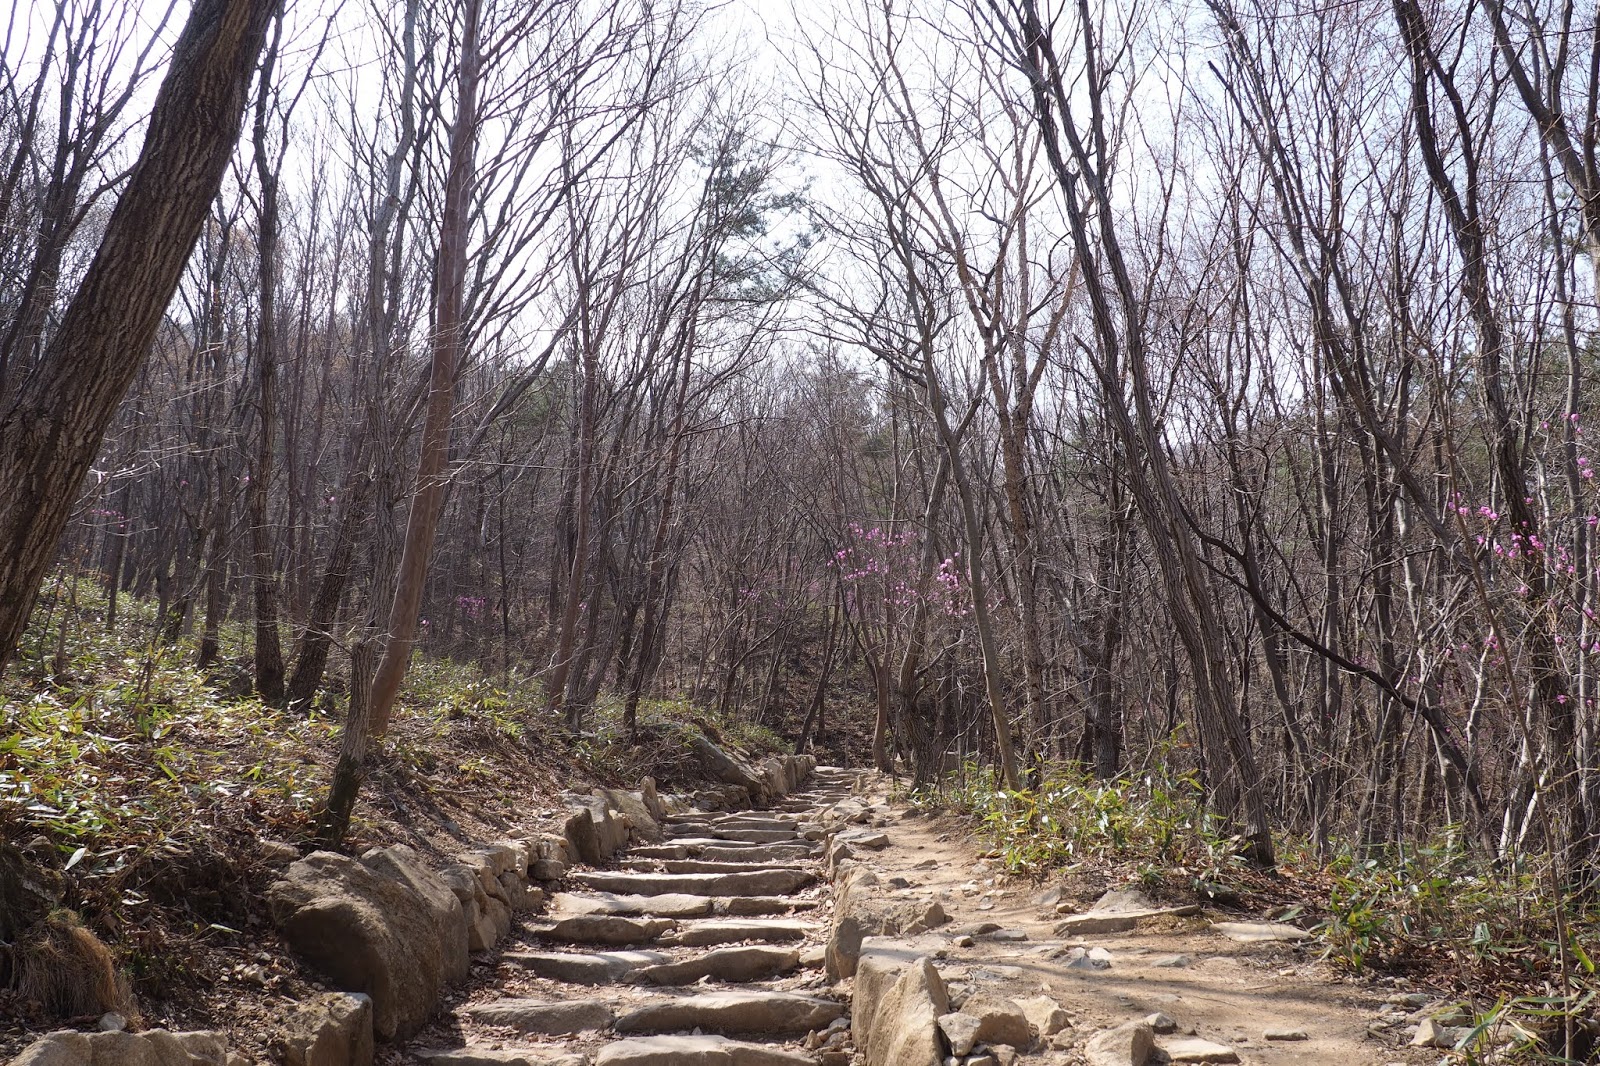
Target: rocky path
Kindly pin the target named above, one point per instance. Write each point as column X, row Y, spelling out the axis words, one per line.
column 838, row 929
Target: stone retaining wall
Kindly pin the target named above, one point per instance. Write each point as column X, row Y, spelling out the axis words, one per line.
column 391, row 932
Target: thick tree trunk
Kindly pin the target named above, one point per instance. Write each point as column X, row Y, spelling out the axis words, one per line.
column 51, row 433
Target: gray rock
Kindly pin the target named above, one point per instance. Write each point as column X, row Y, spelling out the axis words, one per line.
column 1126, row 1045
column 547, row 870
column 1161, row 1022
column 739, row 1012
column 330, row 1030
column 551, row 1019
column 1285, row 1034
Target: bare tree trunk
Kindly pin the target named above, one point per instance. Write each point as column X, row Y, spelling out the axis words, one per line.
column 264, row 579
column 49, row 436
column 432, row 477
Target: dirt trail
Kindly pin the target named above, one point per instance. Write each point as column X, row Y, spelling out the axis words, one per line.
column 1221, row 990
column 707, row 949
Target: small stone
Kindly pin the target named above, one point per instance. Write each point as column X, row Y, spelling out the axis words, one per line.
column 964, row 941
column 1431, row 1034
column 1414, row 1000
column 1162, row 1023
column 1174, row 961
column 111, row 1022
column 1285, row 1034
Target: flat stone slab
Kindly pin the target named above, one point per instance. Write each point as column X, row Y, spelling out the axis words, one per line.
column 751, row 906
column 752, row 1012
column 756, row 836
column 698, row 1050
column 695, row 844
column 1193, row 1049
column 659, row 851
column 753, row 883
column 1259, row 932
column 753, row 963
column 734, row 930
column 667, row 905
column 550, row 1019
column 709, row 866
column 724, row 851
column 611, row 930
column 592, row 968
column 748, row 821
column 486, row 1056
column 1090, row 923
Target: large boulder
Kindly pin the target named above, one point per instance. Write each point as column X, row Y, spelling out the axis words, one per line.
column 384, row 925
column 861, row 910
column 727, row 768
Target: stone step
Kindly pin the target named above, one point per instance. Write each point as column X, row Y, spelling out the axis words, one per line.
column 566, row 1018
column 590, row 968
column 776, row 882
column 772, row 853
column 702, row 866
column 696, row 844
column 697, row 1050
column 659, row 851
column 473, row 1055
column 667, row 905
column 735, row 1012
column 736, row 930
column 755, row 906
column 747, row 821
column 755, row 836
column 738, row 965
column 609, row 930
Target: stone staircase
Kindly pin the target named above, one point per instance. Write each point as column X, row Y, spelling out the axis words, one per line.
column 705, row 949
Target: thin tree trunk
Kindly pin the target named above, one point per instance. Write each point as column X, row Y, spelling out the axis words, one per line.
column 432, row 478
